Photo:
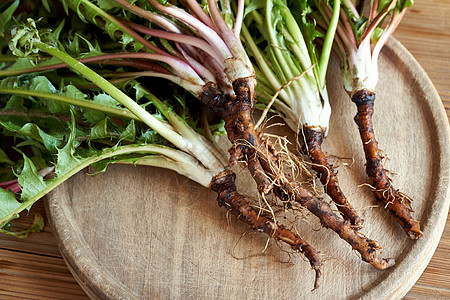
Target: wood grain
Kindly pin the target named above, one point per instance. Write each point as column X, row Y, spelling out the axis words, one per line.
column 33, row 268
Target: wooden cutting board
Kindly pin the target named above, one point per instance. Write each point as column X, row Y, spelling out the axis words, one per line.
column 144, row 233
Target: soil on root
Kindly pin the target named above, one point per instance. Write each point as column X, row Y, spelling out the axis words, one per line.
column 394, row 200
column 313, row 138
column 235, row 203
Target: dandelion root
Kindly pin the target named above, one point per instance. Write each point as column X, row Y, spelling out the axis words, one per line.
column 384, row 190
column 327, row 175
column 237, row 110
column 224, row 185
column 366, row 247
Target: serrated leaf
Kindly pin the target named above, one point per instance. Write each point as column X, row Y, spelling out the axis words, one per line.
column 21, row 63
column 33, row 131
column 129, row 133
column 42, row 84
column 73, row 92
column 66, row 159
column 94, row 116
column 148, row 136
column 23, row 37
column 100, row 130
column 30, row 180
column 6, row 16
column 8, row 203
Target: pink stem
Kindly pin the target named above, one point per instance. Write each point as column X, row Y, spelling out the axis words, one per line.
column 177, row 37
column 179, row 67
column 233, row 43
column 152, row 17
column 239, row 18
column 194, row 87
column 347, row 27
column 205, row 31
column 351, row 7
column 388, row 31
column 136, row 36
column 183, row 42
column 144, row 65
column 6, row 183
column 347, row 38
column 15, row 188
column 373, row 11
column 200, row 13
column 94, row 59
column 14, row 185
column 203, row 72
column 377, row 20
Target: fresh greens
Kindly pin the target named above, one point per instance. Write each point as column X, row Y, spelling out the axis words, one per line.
column 57, row 122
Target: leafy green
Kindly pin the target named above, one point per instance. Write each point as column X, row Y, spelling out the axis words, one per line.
column 9, row 204
column 30, row 180
column 30, row 130
column 36, row 226
column 63, row 119
column 6, row 16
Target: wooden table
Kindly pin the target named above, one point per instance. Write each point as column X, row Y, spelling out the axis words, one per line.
column 33, row 268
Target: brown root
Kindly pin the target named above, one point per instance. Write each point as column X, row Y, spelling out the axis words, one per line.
column 327, row 175
column 263, row 159
column 384, row 190
column 224, row 185
column 288, row 190
column 366, row 247
column 237, row 110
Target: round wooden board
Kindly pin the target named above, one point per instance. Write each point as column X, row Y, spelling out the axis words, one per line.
column 144, row 233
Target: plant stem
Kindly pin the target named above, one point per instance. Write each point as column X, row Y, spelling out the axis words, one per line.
column 188, row 166
column 328, row 43
column 117, row 94
column 73, row 101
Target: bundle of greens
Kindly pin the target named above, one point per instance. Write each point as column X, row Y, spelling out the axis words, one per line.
column 186, row 43
column 361, row 34
column 60, row 131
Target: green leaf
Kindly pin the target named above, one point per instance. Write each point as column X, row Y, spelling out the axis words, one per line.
column 253, row 5
column 66, row 159
column 100, row 130
column 46, row 5
column 219, row 128
column 14, row 103
column 129, row 133
column 8, row 203
column 382, row 4
column 30, row 180
column 404, row 4
column 23, row 37
column 107, row 4
column 6, row 16
column 4, row 159
column 22, row 63
column 148, row 137
column 376, row 35
column 33, row 131
column 42, row 84
column 94, row 116
column 37, row 226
